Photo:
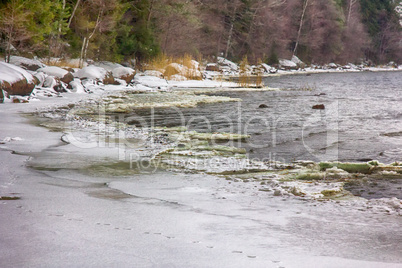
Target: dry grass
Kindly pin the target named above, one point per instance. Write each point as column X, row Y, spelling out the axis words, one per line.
column 63, row 63
column 158, row 63
column 244, row 78
column 163, row 64
column 258, row 79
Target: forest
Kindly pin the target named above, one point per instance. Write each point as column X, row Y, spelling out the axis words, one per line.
column 317, row 31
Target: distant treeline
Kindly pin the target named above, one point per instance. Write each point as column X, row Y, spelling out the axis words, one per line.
column 317, row 31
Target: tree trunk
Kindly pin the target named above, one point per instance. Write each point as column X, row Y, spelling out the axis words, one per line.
column 82, row 52
column 229, row 42
column 85, row 42
column 300, row 27
column 151, row 5
column 72, row 14
column 351, row 3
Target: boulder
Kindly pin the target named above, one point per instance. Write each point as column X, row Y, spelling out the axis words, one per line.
column 125, row 73
column 298, row 62
column 76, row 86
column 213, row 67
column 15, row 80
column 60, row 73
column 95, row 73
column 266, row 67
column 263, row 106
column 153, row 73
column 173, row 69
column 29, row 64
column 333, row 65
column 107, row 65
column 231, row 65
column 287, row 64
column 50, row 82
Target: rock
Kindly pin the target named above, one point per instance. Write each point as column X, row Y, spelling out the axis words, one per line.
column 277, row 193
column 213, row 67
column 95, row 73
column 50, row 82
column 60, row 73
column 298, row 62
column 15, row 80
column 107, row 65
column 231, row 65
column 41, row 77
column 67, row 78
column 1, row 96
column 76, row 86
column 125, row 73
column 319, row 107
column 153, row 73
column 333, row 65
column 263, row 106
column 29, row 64
column 172, row 69
column 287, row 64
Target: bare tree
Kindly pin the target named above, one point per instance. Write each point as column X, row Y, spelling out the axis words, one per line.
column 300, row 26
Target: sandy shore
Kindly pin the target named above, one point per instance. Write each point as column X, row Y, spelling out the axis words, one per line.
column 70, row 211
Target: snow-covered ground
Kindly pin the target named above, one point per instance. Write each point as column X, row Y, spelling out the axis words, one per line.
column 65, row 205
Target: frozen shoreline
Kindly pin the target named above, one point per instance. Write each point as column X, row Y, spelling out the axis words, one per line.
column 166, row 219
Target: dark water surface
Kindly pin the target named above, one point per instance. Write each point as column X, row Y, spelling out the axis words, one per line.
column 362, row 119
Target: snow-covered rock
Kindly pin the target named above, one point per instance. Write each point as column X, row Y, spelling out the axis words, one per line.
column 333, row 65
column 15, row 80
column 151, row 81
column 181, row 70
column 287, row 64
column 107, row 65
column 76, row 86
column 53, row 71
column 41, row 77
column 57, row 72
column 50, row 82
column 125, row 73
column 29, row 64
column 225, row 62
column 266, row 67
column 153, row 73
column 95, row 73
column 213, row 67
column 298, row 62
column 173, row 69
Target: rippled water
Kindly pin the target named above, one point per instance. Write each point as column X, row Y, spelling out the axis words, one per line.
column 362, row 118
